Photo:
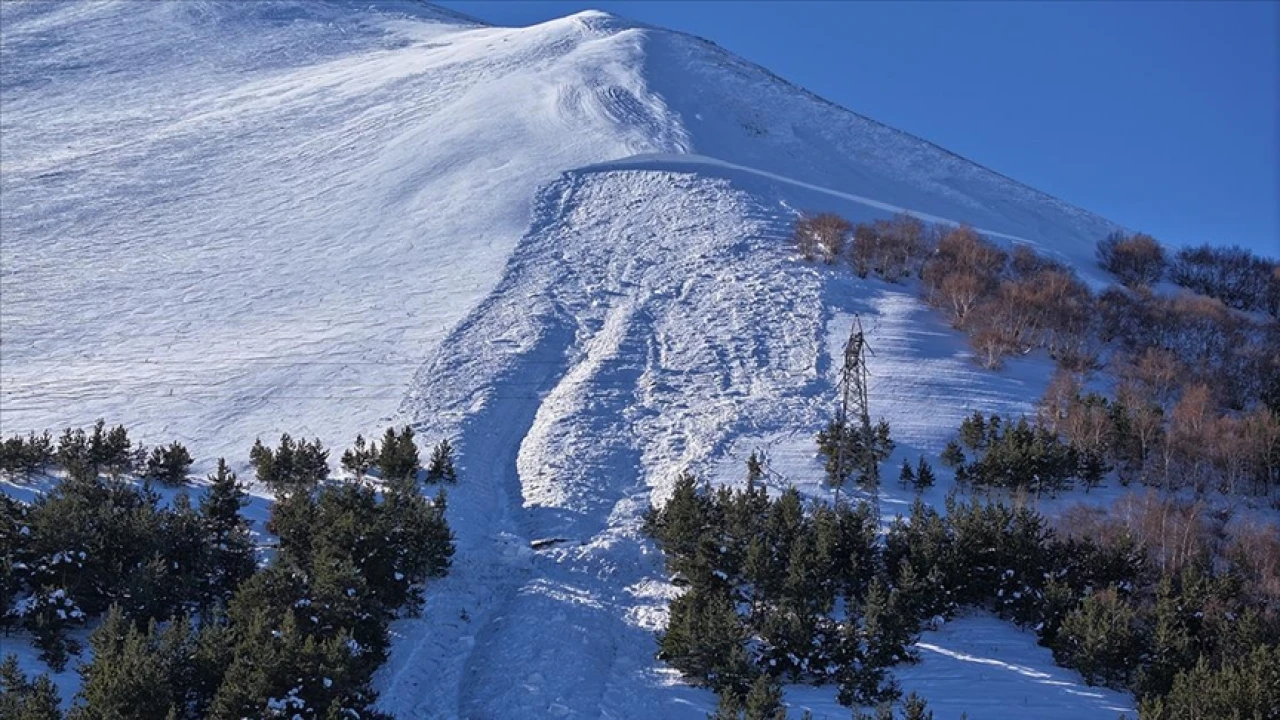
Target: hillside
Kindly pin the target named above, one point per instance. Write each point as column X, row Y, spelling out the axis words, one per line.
column 563, row 246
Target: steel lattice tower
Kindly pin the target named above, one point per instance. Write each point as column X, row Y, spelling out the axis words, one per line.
column 854, row 410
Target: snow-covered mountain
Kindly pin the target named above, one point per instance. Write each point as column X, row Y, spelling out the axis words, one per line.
column 563, row 246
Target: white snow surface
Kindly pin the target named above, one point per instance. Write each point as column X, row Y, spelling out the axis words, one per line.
column 562, row 246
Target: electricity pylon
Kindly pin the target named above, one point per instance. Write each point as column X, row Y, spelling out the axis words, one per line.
column 854, row 409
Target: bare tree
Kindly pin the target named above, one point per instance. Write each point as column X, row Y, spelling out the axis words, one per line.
column 964, row 268
column 1135, row 259
column 822, row 236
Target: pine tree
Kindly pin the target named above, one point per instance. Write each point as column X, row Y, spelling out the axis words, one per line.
column 1171, row 648
column 310, row 465
column 21, row 699
column 973, row 431
column 97, row 445
column 293, row 467
column 888, row 629
column 952, row 456
column 358, row 459
column 441, row 468
column 185, row 553
column 226, row 533
column 678, row 525
column 705, row 640
column 1100, row 639
column 884, row 711
column 263, row 460
column 73, row 455
column 399, row 456
column 418, row 539
column 755, row 469
column 169, row 465
column 1243, row 687
column 127, row 678
column 907, row 476
column 764, row 700
column 915, row 708
column 729, row 706
column 38, row 453
column 924, row 477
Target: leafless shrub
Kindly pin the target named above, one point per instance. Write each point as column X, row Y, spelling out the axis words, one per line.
column 1135, row 259
column 821, row 237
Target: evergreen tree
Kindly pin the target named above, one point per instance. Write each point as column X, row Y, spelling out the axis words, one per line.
column 678, row 525
column 169, row 465
column 705, row 640
column 38, row 453
column 21, row 457
column 15, row 555
column 184, row 553
column 908, row 475
column 888, row 630
column 73, row 455
column 47, row 614
column 114, row 453
column 952, row 456
column 21, row 699
column 915, row 708
column 729, row 706
column 226, row 533
column 924, row 477
column 1100, row 639
column 127, row 678
column 358, row 459
column 1171, row 646
column 1245, row 687
column 310, row 465
column 843, row 442
column 973, row 432
column 263, row 460
column 441, row 468
column 764, row 700
column 293, row 467
column 884, row 711
column 755, row 469
column 399, row 455
column 417, row 538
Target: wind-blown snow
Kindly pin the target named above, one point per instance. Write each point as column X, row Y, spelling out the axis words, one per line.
column 563, row 246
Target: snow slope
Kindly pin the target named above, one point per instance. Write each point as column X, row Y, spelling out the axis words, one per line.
column 563, row 246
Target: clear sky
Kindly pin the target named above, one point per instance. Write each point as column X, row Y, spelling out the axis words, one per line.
column 1164, row 117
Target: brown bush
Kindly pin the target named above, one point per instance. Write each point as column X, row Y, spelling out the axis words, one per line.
column 1254, row 553
column 821, row 236
column 1134, row 259
column 963, row 269
column 1154, row 375
column 864, row 249
column 1175, row 534
column 1233, row 275
column 1144, row 439
column 1026, row 262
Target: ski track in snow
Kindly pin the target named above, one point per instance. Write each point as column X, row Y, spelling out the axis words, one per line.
column 227, row 220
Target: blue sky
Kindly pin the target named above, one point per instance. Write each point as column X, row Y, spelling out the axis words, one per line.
column 1164, row 117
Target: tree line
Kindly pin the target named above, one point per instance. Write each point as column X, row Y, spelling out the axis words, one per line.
column 1156, row 597
column 1196, row 398
column 191, row 622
